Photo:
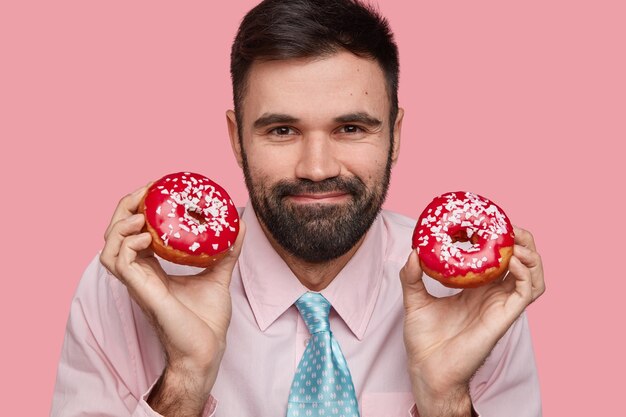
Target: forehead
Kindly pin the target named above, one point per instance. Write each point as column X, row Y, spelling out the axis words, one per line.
column 316, row 88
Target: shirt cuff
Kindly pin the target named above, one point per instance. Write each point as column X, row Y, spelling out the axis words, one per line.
column 144, row 409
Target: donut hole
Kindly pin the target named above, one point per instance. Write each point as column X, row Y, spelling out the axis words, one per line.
column 198, row 217
column 461, row 240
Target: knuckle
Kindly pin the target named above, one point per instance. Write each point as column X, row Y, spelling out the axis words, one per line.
column 538, row 293
column 113, row 230
column 520, row 250
column 125, row 200
column 126, row 197
column 125, row 244
column 404, row 271
column 104, row 260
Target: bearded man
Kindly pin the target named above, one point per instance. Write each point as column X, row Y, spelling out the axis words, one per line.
column 319, row 312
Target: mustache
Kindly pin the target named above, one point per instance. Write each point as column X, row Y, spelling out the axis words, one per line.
column 343, row 184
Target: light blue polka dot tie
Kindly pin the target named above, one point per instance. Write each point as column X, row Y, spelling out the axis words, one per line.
column 322, row 385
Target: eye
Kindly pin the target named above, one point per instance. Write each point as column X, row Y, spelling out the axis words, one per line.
column 282, row 131
column 350, row 129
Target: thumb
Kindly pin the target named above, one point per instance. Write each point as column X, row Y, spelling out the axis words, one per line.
column 223, row 268
column 227, row 263
column 414, row 292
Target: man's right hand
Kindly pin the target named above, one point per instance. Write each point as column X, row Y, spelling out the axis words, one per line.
column 190, row 314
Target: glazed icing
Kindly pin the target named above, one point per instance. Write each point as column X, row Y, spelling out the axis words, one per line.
column 191, row 213
column 457, row 217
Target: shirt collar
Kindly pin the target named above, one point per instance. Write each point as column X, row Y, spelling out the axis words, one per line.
column 271, row 287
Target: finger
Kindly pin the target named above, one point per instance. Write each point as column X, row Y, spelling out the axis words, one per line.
column 528, row 257
column 119, row 231
column 126, row 207
column 223, row 268
column 521, row 276
column 414, row 292
column 146, row 287
column 532, row 260
column 524, row 238
column 129, row 249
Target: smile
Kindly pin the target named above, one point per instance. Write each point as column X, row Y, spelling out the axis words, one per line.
column 319, row 198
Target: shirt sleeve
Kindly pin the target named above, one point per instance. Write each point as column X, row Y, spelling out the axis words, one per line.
column 98, row 372
column 507, row 383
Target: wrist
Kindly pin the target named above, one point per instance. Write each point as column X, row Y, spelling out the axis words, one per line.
column 454, row 402
column 179, row 393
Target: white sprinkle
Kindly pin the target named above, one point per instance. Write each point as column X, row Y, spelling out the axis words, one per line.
column 195, row 246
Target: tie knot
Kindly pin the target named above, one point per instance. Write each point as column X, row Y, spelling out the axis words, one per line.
column 314, row 309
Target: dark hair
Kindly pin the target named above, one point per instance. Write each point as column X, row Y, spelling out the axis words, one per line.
column 288, row 29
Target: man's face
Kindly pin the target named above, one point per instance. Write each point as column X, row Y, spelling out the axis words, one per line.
column 316, row 151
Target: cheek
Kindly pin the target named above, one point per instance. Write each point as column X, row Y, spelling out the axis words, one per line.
column 368, row 163
column 267, row 165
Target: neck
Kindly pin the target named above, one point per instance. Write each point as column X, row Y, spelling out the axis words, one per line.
column 314, row 276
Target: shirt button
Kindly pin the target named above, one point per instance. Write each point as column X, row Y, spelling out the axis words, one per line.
column 306, row 342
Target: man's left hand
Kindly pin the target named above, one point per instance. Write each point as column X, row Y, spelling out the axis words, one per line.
column 447, row 339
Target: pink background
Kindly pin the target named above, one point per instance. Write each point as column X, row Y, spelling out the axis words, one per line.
column 523, row 102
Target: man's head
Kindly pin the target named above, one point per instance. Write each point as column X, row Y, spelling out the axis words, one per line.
column 316, row 120
column 290, row 29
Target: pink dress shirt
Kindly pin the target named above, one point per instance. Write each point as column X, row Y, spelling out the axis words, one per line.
column 111, row 356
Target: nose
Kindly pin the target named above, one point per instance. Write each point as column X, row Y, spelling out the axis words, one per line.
column 317, row 159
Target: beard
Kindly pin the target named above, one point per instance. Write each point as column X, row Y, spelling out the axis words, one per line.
column 317, row 232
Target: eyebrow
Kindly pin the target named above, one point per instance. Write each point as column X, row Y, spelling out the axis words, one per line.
column 273, row 118
column 280, row 118
column 359, row 117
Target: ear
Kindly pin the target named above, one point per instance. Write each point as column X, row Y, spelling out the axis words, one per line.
column 397, row 130
column 233, row 132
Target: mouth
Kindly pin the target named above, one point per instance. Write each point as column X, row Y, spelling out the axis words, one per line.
column 319, row 198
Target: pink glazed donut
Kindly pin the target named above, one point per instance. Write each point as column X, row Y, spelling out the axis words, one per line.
column 463, row 240
column 192, row 220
